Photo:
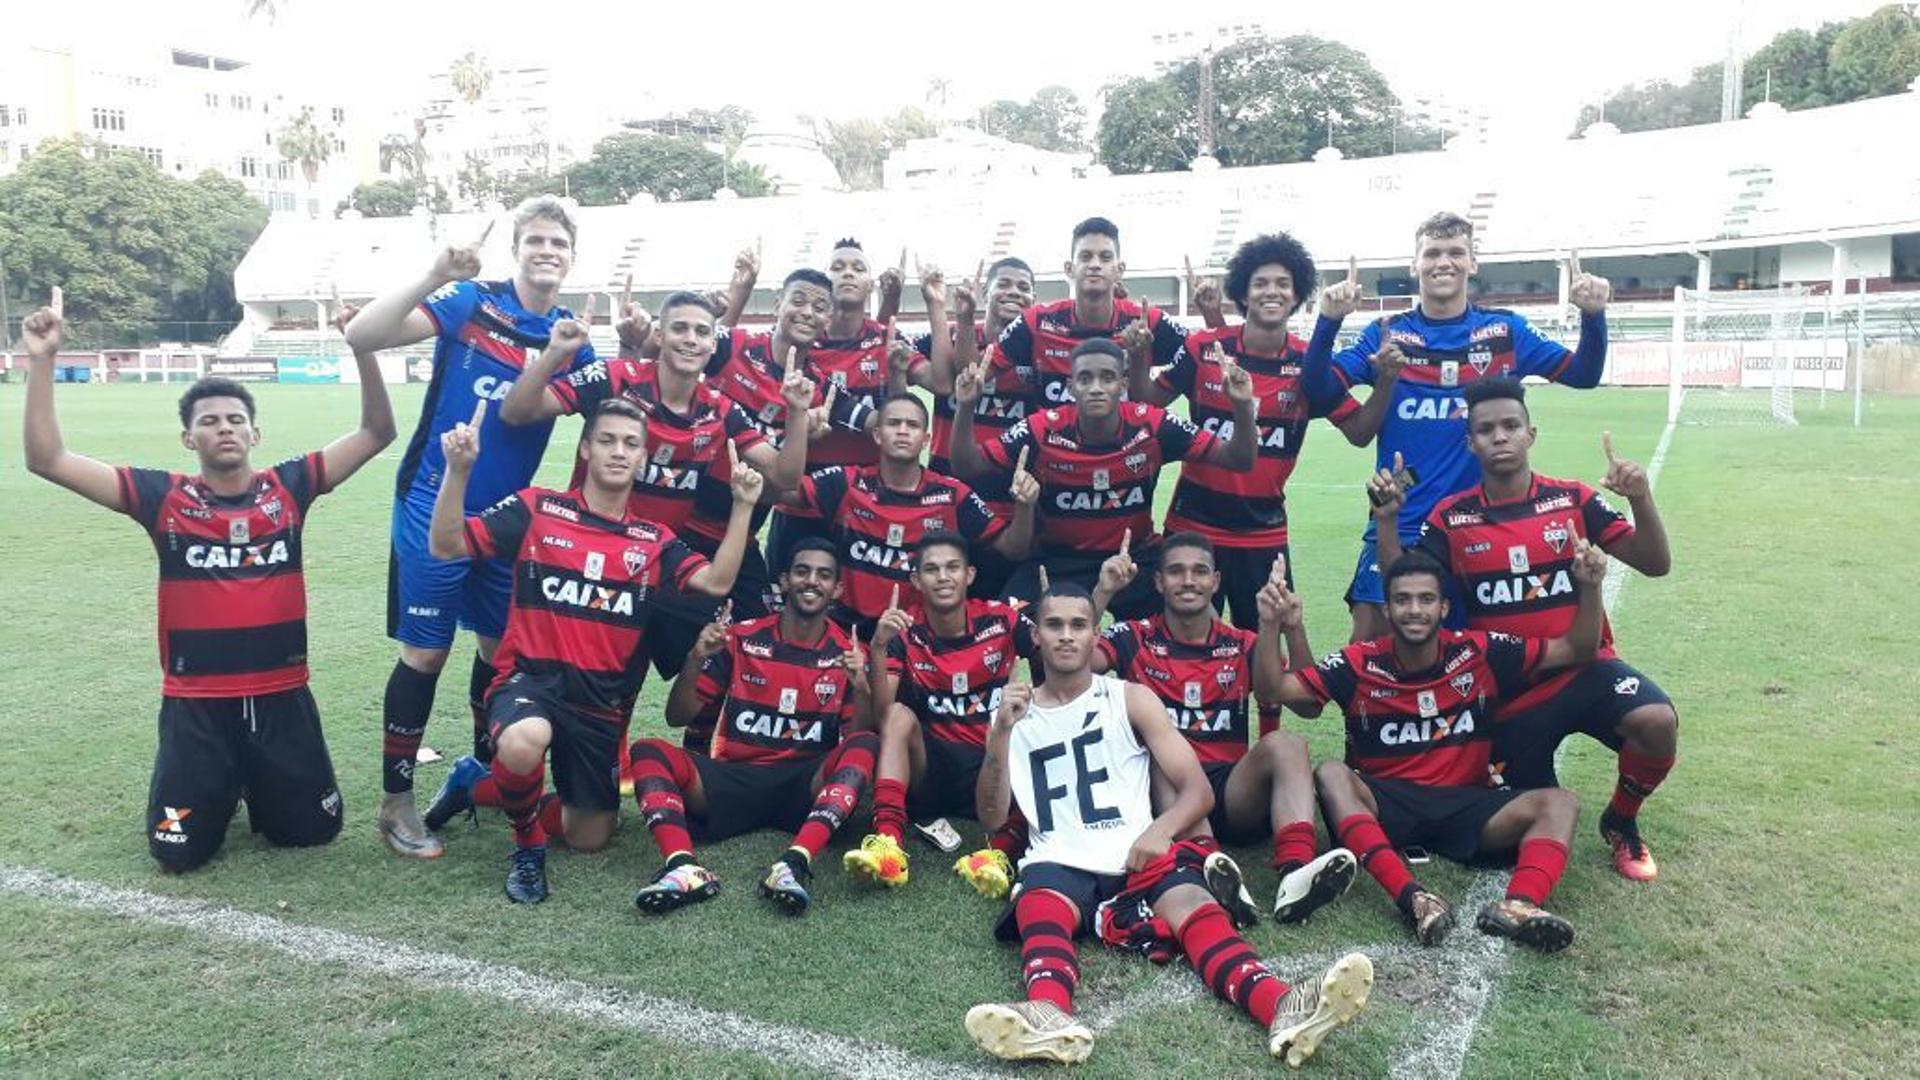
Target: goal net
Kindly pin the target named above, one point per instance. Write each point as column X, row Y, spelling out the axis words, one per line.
column 1735, row 356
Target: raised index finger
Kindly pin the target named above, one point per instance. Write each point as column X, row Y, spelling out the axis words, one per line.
column 58, row 302
column 1573, row 263
column 733, row 454
column 484, row 233
column 1126, row 542
column 1188, row 264
column 626, row 295
column 1020, row 463
column 1606, row 443
column 894, row 600
column 479, row 414
column 1353, row 269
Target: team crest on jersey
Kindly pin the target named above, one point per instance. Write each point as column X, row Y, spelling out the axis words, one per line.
column 1135, row 463
column 867, row 367
column 1462, row 683
column 1102, row 480
column 701, row 442
column 823, row 690
column 238, row 531
column 1556, row 535
column 1226, row 676
column 272, row 509
column 931, row 524
column 635, row 561
column 1481, row 359
column 839, row 379
column 1429, row 705
column 992, row 659
column 770, row 412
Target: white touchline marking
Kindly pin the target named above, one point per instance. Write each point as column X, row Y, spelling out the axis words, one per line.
column 788, row 1048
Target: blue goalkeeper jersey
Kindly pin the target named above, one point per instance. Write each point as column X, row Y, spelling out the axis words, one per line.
column 483, row 340
column 1427, row 421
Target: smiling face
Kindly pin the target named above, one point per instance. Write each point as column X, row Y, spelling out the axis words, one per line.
column 1009, row 293
column 852, row 278
column 614, row 450
column 943, row 575
column 686, row 338
column 1270, row 296
column 1500, row 434
column 1094, row 266
column 1416, row 607
column 811, row 583
column 804, row 311
column 1187, row 580
column 1063, row 631
column 1442, row 266
column 220, row 433
column 544, row 253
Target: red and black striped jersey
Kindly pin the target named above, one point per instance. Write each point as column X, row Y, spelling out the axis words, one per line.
column 1425, row 727
column 1242, row 509
column 1005, row 400
column 233, row 595
column 685, row 483
column 1044, row 337
column 743, row 369
column 1514, row 560
column 1090, row 495
column 1204, row 685
column 582, row 587
column 953, row 684
column 858, row 366
column 779, row 700
column 877, row 527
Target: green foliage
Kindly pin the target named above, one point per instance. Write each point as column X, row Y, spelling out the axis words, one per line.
column 672, row 168
column 858, row 148
column 385, row 198
column 471, row 77
column 1053, row 119
column 303, row 140
column 131, row 247
column 1875, row 55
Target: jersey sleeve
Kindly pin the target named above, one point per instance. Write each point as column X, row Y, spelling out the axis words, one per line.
column 1015, row 347
column 142, row 491
column 583, row 389
column 1602, row 523
column 1002, row 452
column 678, row 563
column 451, row 305
column 716, row 672
column 497, row 531
column 1119, row 643
column 305, row 477
column 1434, row 540
column 1168, row 340
column 1512, row 659
column 823, row 490
column 1353, row 365
column 722, row 350
column 1337, row 408
column 740, row 428
column 1024, row 643
column 976, row 519
column 1534, row 354
column 1332, row 679
column 1181, row 440
column 897, row 658
column 1177, row 378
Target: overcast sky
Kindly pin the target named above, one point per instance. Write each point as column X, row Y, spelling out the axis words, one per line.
column 1529, row 65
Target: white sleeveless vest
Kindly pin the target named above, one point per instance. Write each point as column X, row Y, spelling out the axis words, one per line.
column 1082, row 779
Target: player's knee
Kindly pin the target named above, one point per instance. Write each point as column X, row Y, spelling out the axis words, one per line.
column 1655, row 728
column 1283, row 752
column 1177, row 904
column 1332, row 779
column 589, row 833
column 425, row 661
column 520, row 746
column 1557, row 807
column 181, row 858
column 898, row 725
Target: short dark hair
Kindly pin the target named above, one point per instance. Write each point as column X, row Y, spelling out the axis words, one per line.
column 1266, row 250
column 1413, row 563
column 1062, row 590
column 1098, row 346
column 909, row 397
column 813, row 543
column 809, row 275
column 1495, row 389
column 213, row 386
column 619, row 407
column 1095, row 226
column 942, row 538
column 1008, row 262
column 847, row 242
column 1187, row 539
column 1445, row 224
column 688, row 298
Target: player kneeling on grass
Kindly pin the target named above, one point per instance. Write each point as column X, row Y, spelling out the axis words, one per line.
column 586, row 571
column 1204, row 670
column 946, row 665
column 1420, row 712
column 236, row 717
column 789, row 688
column 1075, row 755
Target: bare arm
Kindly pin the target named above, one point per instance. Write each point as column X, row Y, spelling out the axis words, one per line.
column 961, row 451
column 746, row 271
column 345, row 455
column 531, row 398
column 1582, row 640
column 1173, row 754
column 446, row 535
column 47, row 455
column 684, row 701
column 395, row 318
column 1016, row 540
column 993, row 791
column 1280, row 606
column 717, row 577
column 1647, row 549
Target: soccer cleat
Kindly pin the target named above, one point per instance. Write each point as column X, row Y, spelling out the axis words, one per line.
column 1129, row 925
column 1309, row 1013
column 1526, row 923
column 988, row 871
column 787, row 889
column 938, row 833
column 1630, row 854
column 1229, row 887
column 676, row 887
column 402, row 829
column 878, row 860
column 527, row 880
column 1430, row 916
column 1029, row 1031
column 455, row 796
column 1308, row 888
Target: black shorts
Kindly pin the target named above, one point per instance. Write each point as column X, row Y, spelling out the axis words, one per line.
column 1444, row 820
column 742, row 797
column 212, row 752
column 585, row 753
column 1182, row 865
column 1242, row 573
column 948, row 785
column 1592, row 703
column 1138, row 600
column 1227, row 832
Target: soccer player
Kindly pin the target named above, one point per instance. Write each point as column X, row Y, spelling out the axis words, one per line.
column 684, row 483
column 1075, row 754
column 1045, row 336
column 236, row 717
column 586, row 569
column 1421, row 705
column 485, row 333
column 789, row 751
column 1445, row 343
column 877, row 513
column 946, row 663
column 1203, row 671
column 1098, row 461
column 1509, row 543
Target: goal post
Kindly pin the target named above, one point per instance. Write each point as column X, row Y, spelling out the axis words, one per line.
column 1737, row 357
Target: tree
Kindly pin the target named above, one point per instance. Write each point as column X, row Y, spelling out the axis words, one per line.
column 671, row 168
column 385, row 198
column 475, row 182
column 305, row 141
column 1661, row 104
column 1875, row 55
column 257, row 8
column 858, row 148
column 1053, row 120
column 1792, row 70
column 471, row 77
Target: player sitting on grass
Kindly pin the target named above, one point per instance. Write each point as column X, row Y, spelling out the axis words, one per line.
column 1509, row 543
column 236, row 718
column 1420, row 709
column 1075, row 755
column 574, row 652
column 791, row 689
column 1204, row 670
column 945, row 666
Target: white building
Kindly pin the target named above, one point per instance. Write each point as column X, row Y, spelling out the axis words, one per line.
column 960, row 156
column 527, row 120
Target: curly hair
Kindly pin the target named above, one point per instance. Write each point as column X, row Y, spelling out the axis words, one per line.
column 1266, row 250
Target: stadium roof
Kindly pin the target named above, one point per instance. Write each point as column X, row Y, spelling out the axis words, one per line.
column 1815, row 174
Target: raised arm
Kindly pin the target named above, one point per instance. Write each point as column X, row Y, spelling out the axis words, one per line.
column 1271, row 649
column 345, row 455
column 684, row 702
column 1590, row 294
column 1290, row 690
column 1116, row 573
column 891, row 626
column 446, row 536
column 1239, row 451
column 532, row 398
column 47, row 455
column 1388, row 361
column 1016, row 540
column 891, row 283
column 993, row 791
column 1174, row 756
column 746, row 271
column 1337, row 301
column 1203, row 294
column 1647, row 549
column 1582, row 640
column 395, row 318
column 717, row 577
column 967, row 460
column 1386, row 498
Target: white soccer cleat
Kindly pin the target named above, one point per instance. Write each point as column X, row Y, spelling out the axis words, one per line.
column 1310, row 887
column 1309, row 1014
column 1029, row 1031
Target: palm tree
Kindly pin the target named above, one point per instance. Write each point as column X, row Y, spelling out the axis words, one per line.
column 269, row 8
column 402, row 153
column 304, row 141
column 471, row 77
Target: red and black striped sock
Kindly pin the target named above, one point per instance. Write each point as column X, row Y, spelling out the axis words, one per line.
column 1639, row 775
column 1228, row 965
column 847, row 771
column 1047, row 956
column 1542, row 861
column 1293, row 846
column 1010, row 839
column 520, row 798
column 479, row 678
column 890, row 808
column 1362, row 835
column 662, row 773
column 552, row 819
column 404, row 711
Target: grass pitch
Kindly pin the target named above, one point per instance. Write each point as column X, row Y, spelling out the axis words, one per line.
column 1776, row 940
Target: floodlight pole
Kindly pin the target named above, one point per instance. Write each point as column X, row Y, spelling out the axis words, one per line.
column 1860, row 363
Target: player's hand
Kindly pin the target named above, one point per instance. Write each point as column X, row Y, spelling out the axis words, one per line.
column 1384, row 495
column 343, row 312
column 713, row 636
column 965, row 298
column 1589, row 564
column 820, row 417
column 566, row 339
column 461, row 443
column 633, row 326
column 933, row 286
column 745, row 480
column 1119, row 570
column 1624, row 478
column 45, row 329
column 1152, row 844
column 1237, row 380
column 1137, row 336
column 968, row 384
column 1588, row 292
column 1388, row 361
column 459, row 262
column 796, row 389
column 893, row 622
column 1276, row 603
column 854, row 660
column 891, row 282
column 1014, row 702
column 1342, row 298
column 899, row 353
column 1203, row 292
column 746, row 267
column 1024, row 488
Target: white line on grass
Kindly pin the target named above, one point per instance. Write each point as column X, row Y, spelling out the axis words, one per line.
column 787, row 1048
